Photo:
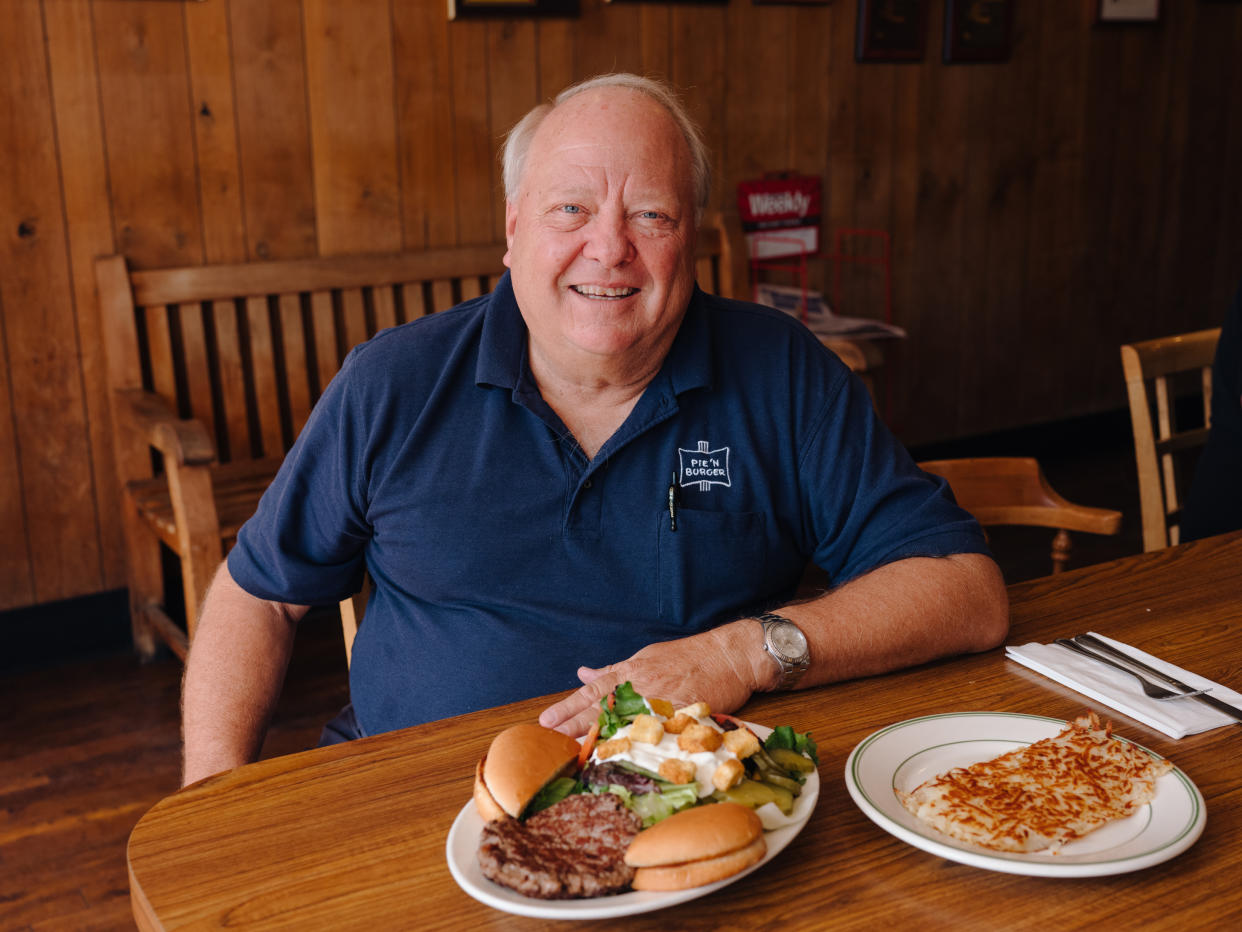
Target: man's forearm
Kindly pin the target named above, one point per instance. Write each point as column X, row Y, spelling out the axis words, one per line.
column 902, row 614
column 233, row 677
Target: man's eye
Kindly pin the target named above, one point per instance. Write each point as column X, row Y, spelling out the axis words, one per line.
column 652, row 215
column 571, row 208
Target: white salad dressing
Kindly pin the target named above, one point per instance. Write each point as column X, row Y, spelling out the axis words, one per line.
column 650, row 756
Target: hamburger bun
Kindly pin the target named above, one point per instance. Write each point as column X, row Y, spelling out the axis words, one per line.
column 521, row 761
column 696, row 846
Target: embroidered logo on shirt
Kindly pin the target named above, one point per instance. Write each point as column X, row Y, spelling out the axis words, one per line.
column 704, row 466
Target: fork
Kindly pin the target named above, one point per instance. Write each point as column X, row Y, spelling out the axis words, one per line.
column 1149, row 688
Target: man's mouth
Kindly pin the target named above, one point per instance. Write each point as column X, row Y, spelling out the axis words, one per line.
column 599, row 291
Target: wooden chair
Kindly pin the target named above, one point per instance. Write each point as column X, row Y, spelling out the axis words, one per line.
column 1014, row 490
column 1159, row 444
column 213, row 371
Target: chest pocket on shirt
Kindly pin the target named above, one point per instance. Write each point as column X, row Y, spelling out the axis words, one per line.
column 712, row 565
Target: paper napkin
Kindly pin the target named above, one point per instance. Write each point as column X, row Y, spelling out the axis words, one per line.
column 1176, row 718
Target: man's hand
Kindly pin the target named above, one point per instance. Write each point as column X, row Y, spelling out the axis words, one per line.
column 721, row 667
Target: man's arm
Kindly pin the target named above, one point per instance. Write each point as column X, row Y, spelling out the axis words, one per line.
column 233, row 676
column 904, row 613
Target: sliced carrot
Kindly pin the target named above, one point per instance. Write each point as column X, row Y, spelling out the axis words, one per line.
column 588, row 745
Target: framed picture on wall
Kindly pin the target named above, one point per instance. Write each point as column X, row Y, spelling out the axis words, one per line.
column 977, row 30
column 890, row 30
column 478, row 9
column 1127, row 11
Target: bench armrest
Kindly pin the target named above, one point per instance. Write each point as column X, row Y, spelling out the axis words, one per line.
column 153, row 421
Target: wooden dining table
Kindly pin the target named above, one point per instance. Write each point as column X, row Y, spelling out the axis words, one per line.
column 354, row 836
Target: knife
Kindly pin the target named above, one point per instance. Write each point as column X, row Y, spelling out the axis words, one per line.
column 1219, row 705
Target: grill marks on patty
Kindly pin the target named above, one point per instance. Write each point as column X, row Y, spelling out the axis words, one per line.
column 572, row 850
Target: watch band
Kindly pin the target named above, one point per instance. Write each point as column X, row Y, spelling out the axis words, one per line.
column 792, row 666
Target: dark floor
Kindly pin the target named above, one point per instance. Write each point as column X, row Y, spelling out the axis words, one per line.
column 89, row 737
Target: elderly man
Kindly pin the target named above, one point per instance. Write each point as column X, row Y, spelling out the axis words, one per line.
column 597, row 473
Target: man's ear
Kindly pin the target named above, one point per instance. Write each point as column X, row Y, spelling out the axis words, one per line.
column 510, row 226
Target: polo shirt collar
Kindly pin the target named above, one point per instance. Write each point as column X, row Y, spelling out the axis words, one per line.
column 502, row 345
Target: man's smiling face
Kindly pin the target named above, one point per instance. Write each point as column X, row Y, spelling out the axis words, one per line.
column 601, row 231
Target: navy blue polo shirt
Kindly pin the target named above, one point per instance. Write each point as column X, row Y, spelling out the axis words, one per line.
column 503, row 559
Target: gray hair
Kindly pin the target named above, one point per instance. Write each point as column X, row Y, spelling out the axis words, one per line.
column 518, row 140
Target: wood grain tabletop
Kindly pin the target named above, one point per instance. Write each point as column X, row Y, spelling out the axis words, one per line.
column 353, row 836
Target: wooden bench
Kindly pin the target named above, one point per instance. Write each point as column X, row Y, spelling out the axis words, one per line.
column 213, row 370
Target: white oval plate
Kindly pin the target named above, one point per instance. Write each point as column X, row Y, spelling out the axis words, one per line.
column 904, row 755
column 462, row 848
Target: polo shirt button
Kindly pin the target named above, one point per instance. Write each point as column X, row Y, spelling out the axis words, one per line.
column 586, row 484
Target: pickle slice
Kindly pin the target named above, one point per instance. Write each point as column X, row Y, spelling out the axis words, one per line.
column 754, row 794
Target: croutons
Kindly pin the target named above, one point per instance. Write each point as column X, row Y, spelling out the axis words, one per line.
column 661, row 707
column 679, row 723
column 606, row 749
column 677, row 771
column 647, row 729
column 741, row 741
column 698, row 709
column 699, row 737
column 728, row 775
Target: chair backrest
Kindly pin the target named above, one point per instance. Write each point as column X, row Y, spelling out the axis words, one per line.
column 1014, row 490
column 1151, row 368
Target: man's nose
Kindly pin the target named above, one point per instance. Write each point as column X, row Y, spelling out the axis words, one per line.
column 609, row 241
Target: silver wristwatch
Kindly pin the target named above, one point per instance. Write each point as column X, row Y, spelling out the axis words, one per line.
column 785, row 643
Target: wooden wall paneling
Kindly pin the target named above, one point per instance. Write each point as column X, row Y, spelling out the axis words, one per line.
column 849, row 86
column 1130, row 234
column 88, row 228
column 16, row 572
column 999, row 231
column 936, row 314
column 605, row 33
column 1102, row 255
column 50, row 432
column 699, row 50
column 472, row 151
column 898, row 375
column 557, row 50
column 1169, row 296
column 273, row 126
column 429, row 169
column 976, row 325
column 1058, row 260
column 349, row 71
column 858, row 287
column 1229, row 242
column 655, row 40
column 1210, row 168
column 513, row 89
column 813, row 37
column 215, row 131
column 148, row 132
column 756, row 117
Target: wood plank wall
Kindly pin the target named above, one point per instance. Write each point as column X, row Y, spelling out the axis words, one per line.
column 1042, row 211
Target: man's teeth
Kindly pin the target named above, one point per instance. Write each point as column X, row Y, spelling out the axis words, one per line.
column 595, row 291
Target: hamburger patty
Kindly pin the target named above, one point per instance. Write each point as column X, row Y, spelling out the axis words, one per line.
column 573, row 849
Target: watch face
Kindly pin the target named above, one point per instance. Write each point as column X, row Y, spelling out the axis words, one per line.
column 788, row 640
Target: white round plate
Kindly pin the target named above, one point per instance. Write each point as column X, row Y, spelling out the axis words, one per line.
column 904, row 755
column 462, row 848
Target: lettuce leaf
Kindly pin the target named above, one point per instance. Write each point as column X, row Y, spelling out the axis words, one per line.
column 626, row 704
column 652, row 807
column 785, row 737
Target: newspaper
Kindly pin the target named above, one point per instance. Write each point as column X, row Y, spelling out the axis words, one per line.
column 820, row 318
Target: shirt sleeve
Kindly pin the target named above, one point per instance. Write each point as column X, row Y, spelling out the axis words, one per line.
column 870, row 504
column 306, row 542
